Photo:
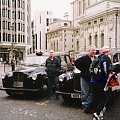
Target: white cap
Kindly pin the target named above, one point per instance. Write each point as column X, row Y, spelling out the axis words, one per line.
column 105, row 49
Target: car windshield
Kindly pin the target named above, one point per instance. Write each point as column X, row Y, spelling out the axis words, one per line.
column 35, row 61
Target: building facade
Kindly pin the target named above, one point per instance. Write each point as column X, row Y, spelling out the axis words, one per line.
column 15, row 32
column 40, row 26
column 98, row 22
column 60, row 36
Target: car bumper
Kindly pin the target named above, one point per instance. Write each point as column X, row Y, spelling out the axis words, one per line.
column 72, row 95
column 19, row 89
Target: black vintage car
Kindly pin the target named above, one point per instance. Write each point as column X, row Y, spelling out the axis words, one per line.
column 69, row 82
column 31, row 76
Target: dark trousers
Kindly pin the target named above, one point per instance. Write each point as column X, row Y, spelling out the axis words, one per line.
column 52, row 82
column 99, row 97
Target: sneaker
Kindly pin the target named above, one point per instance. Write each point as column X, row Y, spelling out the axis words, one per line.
column 96, row 117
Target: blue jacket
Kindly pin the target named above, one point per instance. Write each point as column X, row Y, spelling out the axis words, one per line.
column 105, row 63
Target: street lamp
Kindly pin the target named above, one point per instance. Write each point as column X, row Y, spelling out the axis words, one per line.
column 12, row 28
column 116, row 15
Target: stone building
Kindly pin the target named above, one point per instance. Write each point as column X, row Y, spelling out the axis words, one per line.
column 60, row 36
column 15, row 32
column 97, row 22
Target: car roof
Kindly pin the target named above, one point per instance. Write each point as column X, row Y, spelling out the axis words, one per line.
column 47, row 54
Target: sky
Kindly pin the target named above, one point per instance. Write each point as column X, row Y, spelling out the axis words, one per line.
column 59, row 7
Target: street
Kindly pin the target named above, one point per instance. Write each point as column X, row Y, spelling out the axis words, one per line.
column 19, row 108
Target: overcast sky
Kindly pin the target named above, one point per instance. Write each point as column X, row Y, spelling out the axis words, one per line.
column 59, row 7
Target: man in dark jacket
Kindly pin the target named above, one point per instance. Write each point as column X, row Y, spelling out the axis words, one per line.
column 52, row 68
column 83, row 64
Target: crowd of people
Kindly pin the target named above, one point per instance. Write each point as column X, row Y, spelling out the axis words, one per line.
column 93, row 97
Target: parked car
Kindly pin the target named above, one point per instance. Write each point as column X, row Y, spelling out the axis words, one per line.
column 69, row 82
column 31, row 76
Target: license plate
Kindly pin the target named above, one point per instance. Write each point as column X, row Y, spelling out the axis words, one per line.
column 75, row 96
column 18, row 84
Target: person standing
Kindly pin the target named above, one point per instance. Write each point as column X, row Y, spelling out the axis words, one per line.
column 13, row 64
column 83, row 64
column 100, row 99
column 53, row 66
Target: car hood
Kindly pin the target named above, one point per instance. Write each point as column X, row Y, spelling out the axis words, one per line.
column 31, row 70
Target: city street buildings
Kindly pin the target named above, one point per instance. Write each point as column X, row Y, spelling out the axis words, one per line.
column 40, row 26
column 15, row 29
column 94, row 22
column 60, row 36
column 98, row 22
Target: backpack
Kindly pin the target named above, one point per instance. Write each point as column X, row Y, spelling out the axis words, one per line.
column 95, row 68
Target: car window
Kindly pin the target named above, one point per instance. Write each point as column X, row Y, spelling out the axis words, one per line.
column 68, row 59
column 36, row 60
column 116, row 58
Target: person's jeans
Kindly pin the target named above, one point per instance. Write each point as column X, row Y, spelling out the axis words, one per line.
column 52, row 82
column 86, row 94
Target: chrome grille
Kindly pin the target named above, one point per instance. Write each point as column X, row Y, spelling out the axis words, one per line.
column 18, row 79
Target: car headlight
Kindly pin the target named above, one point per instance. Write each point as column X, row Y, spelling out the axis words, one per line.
column 3, row 76
column 61, row 77
column 34, row 77
column 69, row 76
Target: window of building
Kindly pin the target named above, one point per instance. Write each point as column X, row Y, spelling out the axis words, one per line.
column 23, row 5
column 95, row 22
column 47, row 22
column 8, row 3
column 18, row 14
column 6, row 36
column 8, row 25
column 72, row 46
column 18, row 3
column 101, row 20
column 89, row 23
column 3, row 24
column 3, row 36
column 23, row 27
column 18, row 26
column 3, row 2
column 21, row 16
column 9, row 37
column 13, row 38
column 18, row 37
column 13, row 15
column 9, row 14
column 65, row 24
column 23, row 38
column 3, row 12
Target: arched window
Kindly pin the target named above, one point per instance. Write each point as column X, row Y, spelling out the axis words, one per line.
column 96, row 40
column 90, row 40
column 102, row 40
column 77, row 45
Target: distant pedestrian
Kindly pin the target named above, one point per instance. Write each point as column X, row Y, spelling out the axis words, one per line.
column 83, row 64
column 13, row 64
column 53, row 66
